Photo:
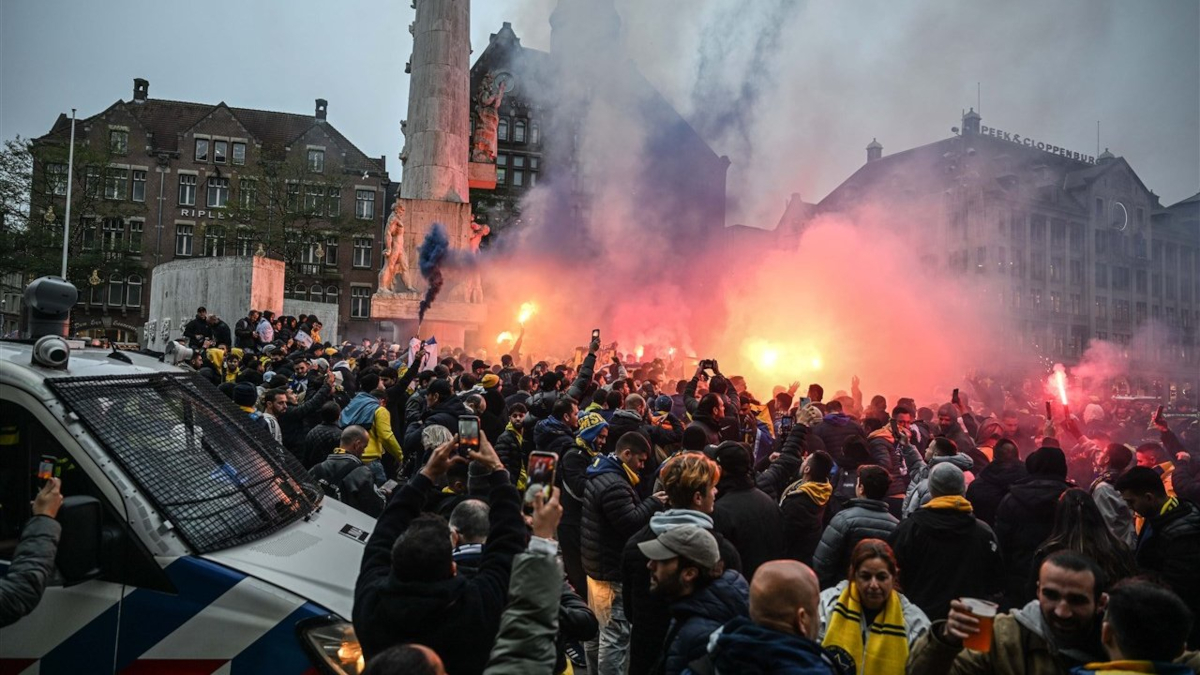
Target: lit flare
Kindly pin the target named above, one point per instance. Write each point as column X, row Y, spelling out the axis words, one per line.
column 527, row 311
column 1060, row 382
column 503, row 337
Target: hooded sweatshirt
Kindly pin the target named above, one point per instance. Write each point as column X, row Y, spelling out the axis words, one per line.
column 742, row 646
column 694, row 618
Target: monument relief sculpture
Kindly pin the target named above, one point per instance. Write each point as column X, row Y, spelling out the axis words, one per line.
column 487, row 114
column 474, row 285
column 395, row 257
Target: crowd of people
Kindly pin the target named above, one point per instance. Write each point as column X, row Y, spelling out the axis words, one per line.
column 692, row 527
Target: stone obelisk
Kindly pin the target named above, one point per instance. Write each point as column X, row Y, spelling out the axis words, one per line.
column 434, row 188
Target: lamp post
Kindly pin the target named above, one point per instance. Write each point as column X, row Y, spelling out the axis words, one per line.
column 67, row 218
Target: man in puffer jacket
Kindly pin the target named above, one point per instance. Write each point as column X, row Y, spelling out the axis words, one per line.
column 33, row 560
column 611, row 514
column 804, row 507
column 835, row 428
column 941, row 451
column 992, row 484
column 864, row 517
column 1025, row 518
column 684, row 564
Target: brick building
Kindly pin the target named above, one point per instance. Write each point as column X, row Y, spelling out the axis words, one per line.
column 1067, row 247
column 189, row 179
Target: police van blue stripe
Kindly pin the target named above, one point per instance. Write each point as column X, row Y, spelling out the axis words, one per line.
column 279, row 650
column 146, row 618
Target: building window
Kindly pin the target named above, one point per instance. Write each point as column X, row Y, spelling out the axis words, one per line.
column 1076, row 272
column 1037, row 230
column 89, row 233
column 1120, row 278
column 334, row 202
column 518, row 170
column 1101, row 308
column 314, row 199
column 113, row 235
column 91, row 181
column 534, row 132
column 1056, row 268
column 239, row 153
column 116, row 291
column 139, row 186
column 201, row 149
column 118, row 141
column 502, row 129
column 1076, row 304
column 316, row 294
column 220, row 150
column 1058, row 233
column 135, row 236
column 364, row 204
column 247, row 192
column 293, row 197
column 316, row 161
column 519, row 131
column 331, row 294
column 331, row 252
column 187, row 189
column 360, row 302
column 1101, row 276
column 362, row 252
column 1140, row 281
column 218, row 192
column 133, row 296
column 56, row 176
column 214, row 241
column 245, row 242
column 1056, row 302
column 300, row 292
column 116, row 183
column 1099, row 208
column 183, row 240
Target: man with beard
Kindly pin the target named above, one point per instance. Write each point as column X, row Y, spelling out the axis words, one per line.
column 683, row 565
column 1055, row 632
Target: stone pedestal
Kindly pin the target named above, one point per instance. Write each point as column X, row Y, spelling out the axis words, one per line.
column 227, row 286
column 481, row 176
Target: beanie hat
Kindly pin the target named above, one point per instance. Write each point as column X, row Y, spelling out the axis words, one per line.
column 549, row 381
column 477, row 478
column 245, row 394
column 435, row 436
column 663, row 403
column 490, row 381
column 1047, row 461
column 1092, row 413
column 590, row 426
column 227, row 388
column 734, row 458
column 945, row 480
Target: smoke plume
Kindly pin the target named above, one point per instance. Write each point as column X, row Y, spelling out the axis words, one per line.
column 430, row 255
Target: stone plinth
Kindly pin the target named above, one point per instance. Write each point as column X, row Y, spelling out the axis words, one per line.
column 448, row 321
column 227, row 286
column 481, row 176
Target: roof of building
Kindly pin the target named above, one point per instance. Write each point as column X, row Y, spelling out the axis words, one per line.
column 168, row 120
column 1194, row 199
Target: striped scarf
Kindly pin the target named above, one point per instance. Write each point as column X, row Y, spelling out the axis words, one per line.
column 886, row 651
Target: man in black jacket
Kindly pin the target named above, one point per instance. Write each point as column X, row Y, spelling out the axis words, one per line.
column 323, row 438
column 804, row 507
column 344, row 477
column 834, row 428
column 1169, row 543
column 1026, row 517
column 243, row 331
column 993, row 483
column 944, row 551
column 197, row 330
column 408, row 589
column 219, row 331
column 744, row 514
column 612, row 513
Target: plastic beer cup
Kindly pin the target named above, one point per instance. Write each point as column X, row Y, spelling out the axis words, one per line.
column 986, row 613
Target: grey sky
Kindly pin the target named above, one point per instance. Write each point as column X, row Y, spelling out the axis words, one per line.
column 840, row 74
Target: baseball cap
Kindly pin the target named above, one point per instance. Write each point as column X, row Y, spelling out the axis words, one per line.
column 690, row 541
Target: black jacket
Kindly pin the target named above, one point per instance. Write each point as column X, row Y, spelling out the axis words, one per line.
column 804, row 518
column 750, row 520
column 196, row 331
column 293, row 425
column 651, row 614
column 860, row 519
column 320, row 441
column 694, row 618
column 711, row 427
column 946, row 554
column 353, row 481
column 509, row 450
column 612, row 513
column 1169, row 546
column 445, row 413
column 622, row 422
column 221, row 334
column 1023, row 522
column 834, row 430
column 456, row 617
column 243, row 332
column 990, row 487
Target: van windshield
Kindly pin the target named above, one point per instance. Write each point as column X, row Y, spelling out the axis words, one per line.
column 219, row 479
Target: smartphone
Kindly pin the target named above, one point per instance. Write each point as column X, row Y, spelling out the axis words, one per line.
column 954, row 397
column 1158, row 418
column 785, row 425
column 388, row 487
column 542, row 466
column 595, row 334
column 46, row 468
column 468, row 433
column 804, row 400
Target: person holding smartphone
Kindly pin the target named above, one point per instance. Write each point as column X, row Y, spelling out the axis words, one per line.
column 22, row 586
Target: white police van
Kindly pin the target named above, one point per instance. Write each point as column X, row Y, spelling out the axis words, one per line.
column 192, row 542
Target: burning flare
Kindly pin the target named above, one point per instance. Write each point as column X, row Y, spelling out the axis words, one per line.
column 639, row 350
column 527, row 311
column 1060, row 382
column 504, row 337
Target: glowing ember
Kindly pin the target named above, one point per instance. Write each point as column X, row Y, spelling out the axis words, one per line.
column 527, row 310
column 1060, row 382
column 504, row 337
column 639, row 350
column 769, row 358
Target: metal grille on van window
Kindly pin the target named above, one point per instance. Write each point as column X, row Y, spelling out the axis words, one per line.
column 218, row 478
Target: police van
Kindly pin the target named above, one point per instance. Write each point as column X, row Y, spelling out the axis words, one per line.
column 191, row 541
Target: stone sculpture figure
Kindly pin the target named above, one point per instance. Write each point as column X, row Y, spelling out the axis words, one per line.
column 487, row 115
column 474, row 289
column 395, row 257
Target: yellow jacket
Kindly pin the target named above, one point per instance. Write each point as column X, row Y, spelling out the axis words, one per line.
column 382, row 438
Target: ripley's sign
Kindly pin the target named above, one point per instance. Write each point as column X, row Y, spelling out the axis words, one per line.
column 1031, row 143
column 201, row 213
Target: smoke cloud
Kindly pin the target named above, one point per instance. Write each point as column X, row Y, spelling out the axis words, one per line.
column 430, row 255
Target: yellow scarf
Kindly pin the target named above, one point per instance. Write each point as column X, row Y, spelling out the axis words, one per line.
column 886, row 651
column 1121, row 667
column 950, row 502
column 633, row 477
column 818, row 492
column 1171, row 505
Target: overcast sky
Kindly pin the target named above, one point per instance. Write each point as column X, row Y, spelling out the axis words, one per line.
column 812, row 82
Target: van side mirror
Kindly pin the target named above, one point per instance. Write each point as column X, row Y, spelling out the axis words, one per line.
column 78, row 558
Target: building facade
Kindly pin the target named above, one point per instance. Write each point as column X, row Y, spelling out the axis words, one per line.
column 188, row 180
column 1068, row 247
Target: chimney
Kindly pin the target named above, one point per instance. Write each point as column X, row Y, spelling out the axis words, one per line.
column 874, row 150
column 971, row 122
column 141, row 89
column 322, row 107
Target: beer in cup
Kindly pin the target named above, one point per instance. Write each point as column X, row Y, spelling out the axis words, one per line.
column 986, row 613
